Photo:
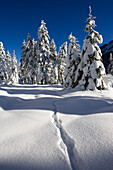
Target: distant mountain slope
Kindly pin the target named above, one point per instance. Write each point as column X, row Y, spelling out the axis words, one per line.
column 106, row 50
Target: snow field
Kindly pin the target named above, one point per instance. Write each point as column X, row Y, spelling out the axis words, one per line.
column 46, row 127
column 89, row 122
column 28, row 138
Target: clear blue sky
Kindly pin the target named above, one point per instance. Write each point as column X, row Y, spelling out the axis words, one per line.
column 20, row 17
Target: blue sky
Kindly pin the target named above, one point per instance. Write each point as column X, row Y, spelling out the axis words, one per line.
column 20, row 17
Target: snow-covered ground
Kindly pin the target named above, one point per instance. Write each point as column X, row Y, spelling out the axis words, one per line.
column 48, row 128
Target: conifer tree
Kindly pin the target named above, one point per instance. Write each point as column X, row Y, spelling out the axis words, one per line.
column 14, row 76
column 110, row 66
column 72, row 61
column 3, row 67
column 24, row 60
column 61, row 60
column 91, row 70
column 43, row 52
column 9, row 67
column 28, row 62
column 22, row 63
column 33, row 63
column 53, row 58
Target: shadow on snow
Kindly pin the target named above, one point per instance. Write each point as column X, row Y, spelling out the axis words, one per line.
column 12, row 166
column 80, row 105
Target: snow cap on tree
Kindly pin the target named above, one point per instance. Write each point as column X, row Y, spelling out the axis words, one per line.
column 8, row 55
column 90, row 20
column 42, row 30
column 72, row 38
column 52, row 42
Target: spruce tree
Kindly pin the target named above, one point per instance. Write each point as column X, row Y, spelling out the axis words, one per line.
column 53, row 62
column 22, row 63
column 9, row 66
column 72, row 61
column 110, row 66
column 33, row 63
column 14, row 76
column 27, row 61
column 29, row 64
column 3, row 67
column 61, row 60
column 91, row 70
column 43, row 52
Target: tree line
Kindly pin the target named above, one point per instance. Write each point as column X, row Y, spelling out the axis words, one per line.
column 41, row 64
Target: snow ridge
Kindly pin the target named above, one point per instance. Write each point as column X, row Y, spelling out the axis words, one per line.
column 67, row 144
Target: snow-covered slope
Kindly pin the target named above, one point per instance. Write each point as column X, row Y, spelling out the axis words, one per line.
column 106, row 50
column 46, row 127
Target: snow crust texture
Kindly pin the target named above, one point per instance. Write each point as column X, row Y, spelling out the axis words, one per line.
column 46, row 127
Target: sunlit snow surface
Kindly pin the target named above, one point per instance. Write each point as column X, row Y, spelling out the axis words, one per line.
column 49, row 128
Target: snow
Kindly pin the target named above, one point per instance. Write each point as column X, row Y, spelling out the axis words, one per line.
column 90, row 73
column 47, row 127
column 108, row 48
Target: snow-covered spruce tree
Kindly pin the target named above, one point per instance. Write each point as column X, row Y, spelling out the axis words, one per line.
column 28, row 62
column 14, row 76
column 52, row 65
column 33, row 63
column 3, row 66
column 110, row 66
column 25, row 61
column 61, row 60
column 9, row 66
column 90, row 71
column 22, row 64
column 43, row 52
column 72, row 61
